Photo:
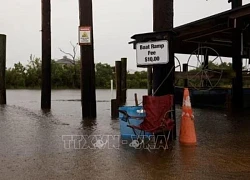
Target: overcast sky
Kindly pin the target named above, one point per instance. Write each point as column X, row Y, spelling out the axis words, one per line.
column 115, row 21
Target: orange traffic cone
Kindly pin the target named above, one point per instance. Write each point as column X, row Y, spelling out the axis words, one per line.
column 187, row 129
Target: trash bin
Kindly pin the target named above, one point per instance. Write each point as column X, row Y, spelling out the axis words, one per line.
column 125, row 131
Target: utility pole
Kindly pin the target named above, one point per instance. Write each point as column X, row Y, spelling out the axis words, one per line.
column 46, row 55
column 88, row 91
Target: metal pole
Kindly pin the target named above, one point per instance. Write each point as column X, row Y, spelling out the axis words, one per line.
column 2, row 69
column 88, row 91
column 46, row 55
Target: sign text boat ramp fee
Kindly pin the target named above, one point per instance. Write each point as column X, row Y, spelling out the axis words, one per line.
column 152, row 53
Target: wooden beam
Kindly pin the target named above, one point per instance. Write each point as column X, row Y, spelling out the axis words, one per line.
column 190, row 47
column 210, row 75
column 206, row 34
column 240, row 14
column 203, row 31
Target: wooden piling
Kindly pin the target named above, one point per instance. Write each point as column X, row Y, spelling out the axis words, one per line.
column 236, row 3
column 46, row 55
column 2, row 69
column 163, row 20
column 136, row 99
column 121, row 87
column 150, row 80
column 123, row 80
column 237, row 81
column 163, row 13
column 205, row 67
column 185, row 69
column 88, row 91
column 114, row 109
column 118, row 82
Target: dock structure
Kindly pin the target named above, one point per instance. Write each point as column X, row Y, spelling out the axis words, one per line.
column 227, row 33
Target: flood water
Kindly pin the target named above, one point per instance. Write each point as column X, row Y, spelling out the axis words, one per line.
column 32, row 147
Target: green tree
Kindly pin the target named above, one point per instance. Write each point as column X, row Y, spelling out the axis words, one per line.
column 34, row 72
column 66, row 76
column 104, row 74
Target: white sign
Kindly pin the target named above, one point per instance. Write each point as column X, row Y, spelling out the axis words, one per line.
column 151, row 53
column 84, row 35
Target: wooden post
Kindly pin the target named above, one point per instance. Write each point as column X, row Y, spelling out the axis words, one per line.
column 163, row 13
column 163, row 20
column 150, row 80
column 114, row 109
column 118, row 82
column 237, row 82
column 206, row 57
column 111, row 88
column 136, row 100
column 123, row 80
column 46, row 55
column 236, row 3
column 2, row 69
column 88, row 91
column 185, row 69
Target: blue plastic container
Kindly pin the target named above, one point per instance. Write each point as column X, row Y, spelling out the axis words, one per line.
column 127, row 132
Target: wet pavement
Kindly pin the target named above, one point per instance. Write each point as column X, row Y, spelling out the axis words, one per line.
column 32, row 146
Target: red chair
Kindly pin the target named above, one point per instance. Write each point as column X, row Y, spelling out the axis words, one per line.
column 159, row 116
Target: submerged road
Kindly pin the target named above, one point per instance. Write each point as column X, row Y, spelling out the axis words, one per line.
column 32, row 147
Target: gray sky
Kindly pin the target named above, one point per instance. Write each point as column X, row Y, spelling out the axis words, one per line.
column 115, row 21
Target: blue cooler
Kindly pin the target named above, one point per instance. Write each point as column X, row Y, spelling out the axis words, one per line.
column 127, row 132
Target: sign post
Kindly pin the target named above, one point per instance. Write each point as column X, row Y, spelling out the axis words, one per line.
column 155, row 50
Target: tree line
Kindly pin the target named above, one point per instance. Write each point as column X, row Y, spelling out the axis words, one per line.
column 66, row 76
